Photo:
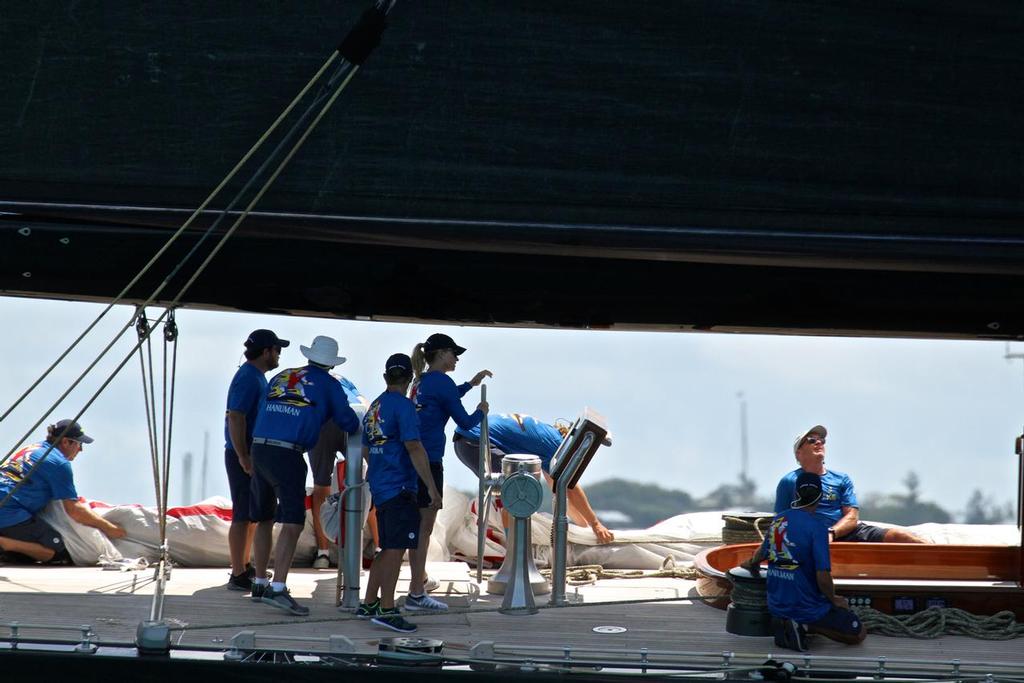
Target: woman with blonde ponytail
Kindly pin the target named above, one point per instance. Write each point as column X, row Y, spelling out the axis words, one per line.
column 437, row 400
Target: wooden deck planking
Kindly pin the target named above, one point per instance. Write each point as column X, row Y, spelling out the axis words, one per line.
column 205, row 614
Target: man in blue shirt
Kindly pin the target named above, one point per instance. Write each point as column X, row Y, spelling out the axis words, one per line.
column 396, row 461
column 29, row 480
column 298, row 402
column 838, row 510
column 245, row 396
column 519, row 433
column 801, row 593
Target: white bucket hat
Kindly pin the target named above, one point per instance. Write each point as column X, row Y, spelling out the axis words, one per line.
column 324, row 351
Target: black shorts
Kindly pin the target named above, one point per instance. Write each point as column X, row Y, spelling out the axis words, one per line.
column 838, row 619
column 323, row 455
column 398, row 522
column 279, row 485
column 864, row 533
column 468, row 453
column 35, row 530
column 423, row 494
column 240, row 485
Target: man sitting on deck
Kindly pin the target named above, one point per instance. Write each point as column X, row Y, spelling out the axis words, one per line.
column 838, row 510
column 33, row 477
column 801, row 594
column 519, row 433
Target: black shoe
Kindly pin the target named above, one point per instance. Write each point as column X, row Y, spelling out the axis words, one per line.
column 283, row 600
column 368, row 611
column 789, row 634
column 258, row 589
column 393, row 620
column 240, row 582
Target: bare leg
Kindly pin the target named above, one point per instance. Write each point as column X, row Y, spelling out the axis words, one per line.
column 263, row 542
column 37, row 552
column 285, row 551
column 238, row 537
column 384, row 573
column 418, row 557
column 249, row 535
column 898, row 535
column 320, row 494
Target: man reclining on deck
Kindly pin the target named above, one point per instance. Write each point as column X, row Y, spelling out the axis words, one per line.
column 35, row 475
column 519, row 433
column 801, row 594
column 838, row 510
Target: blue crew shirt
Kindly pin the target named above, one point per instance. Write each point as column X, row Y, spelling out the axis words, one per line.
column 245, row 395
column 438, row 399
column 52, row 480
column 390, row 421
column 836, row 493
column 298, row 402
column 796, row 546
column 518, row 433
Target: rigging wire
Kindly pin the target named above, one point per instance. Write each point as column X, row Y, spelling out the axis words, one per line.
column 206, row 202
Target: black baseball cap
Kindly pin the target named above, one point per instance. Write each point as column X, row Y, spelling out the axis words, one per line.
column 398, row 361
column 436, row 342
column 264, row 339
column 74, row 431
column 808, row 490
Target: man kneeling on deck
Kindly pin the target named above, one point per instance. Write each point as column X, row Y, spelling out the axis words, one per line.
column 801, row 594
column 33, row 477
column 396, row 460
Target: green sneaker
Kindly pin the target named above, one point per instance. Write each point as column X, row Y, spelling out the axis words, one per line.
column 368, row 611
column 393, row 620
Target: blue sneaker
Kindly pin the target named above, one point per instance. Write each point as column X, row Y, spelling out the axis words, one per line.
column 283, row 600
column 424, row 603
column 368, row 611
column 393, row 620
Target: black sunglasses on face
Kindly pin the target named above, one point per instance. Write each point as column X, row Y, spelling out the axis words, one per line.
column 814, row 441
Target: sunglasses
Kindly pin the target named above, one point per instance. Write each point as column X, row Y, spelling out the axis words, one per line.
column 814, row 441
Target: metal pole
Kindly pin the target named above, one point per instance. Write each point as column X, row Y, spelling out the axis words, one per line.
column 744, row 454
column 352, row 505
column 482, row 499
column 561, row 521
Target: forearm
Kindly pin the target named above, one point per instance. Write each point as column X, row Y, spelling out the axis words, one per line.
column 847, row 523
column 421, row 464
column 826, row 585
column 236, row 430
column 81, row 513
column 579, row 505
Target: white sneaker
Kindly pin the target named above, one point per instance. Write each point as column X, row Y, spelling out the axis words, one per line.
column 321, row 562
column 430, row 584
column 424, row 603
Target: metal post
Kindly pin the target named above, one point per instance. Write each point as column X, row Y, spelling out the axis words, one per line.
column 561, row 521
column 352, row 506
column 483, row 489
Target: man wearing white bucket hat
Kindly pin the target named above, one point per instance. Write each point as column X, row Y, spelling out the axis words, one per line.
column 299, row 401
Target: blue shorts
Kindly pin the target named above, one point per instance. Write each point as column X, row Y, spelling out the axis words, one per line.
column 36, row 531
column 423, row 493
column 864, row 533
column 398, row 522
column 838, row 619
column 279, row 485
column 240, row 485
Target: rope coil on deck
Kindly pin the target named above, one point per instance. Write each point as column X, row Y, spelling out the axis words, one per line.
column 740, row 530
column 937, row 621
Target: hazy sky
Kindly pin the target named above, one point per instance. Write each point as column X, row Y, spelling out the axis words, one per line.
column 948, row 410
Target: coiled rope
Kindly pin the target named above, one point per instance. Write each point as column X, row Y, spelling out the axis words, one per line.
column 937, row 621
column 740, row 530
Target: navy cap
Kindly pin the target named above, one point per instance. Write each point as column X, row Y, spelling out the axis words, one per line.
column 398, row 361
column 264, row 339
column 74, row 431
column 808, row 490
column 436, row 342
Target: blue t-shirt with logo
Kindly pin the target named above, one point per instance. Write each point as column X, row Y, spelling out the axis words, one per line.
column 836, row 493
column 298, row 402
column 390, row 422
column 438, row 399
column 245, row 395
column 52, row 480
column 796, row 546
column 518, row 433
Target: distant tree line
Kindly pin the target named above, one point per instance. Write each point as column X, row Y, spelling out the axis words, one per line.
column 648, row 504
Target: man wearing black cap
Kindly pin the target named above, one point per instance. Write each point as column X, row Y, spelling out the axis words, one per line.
column 801, row 594
column 29, row 480
column 248, row 387
column 396, row 463
column 838, row 510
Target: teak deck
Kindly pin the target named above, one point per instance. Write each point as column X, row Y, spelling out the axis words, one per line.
column 205, row 614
